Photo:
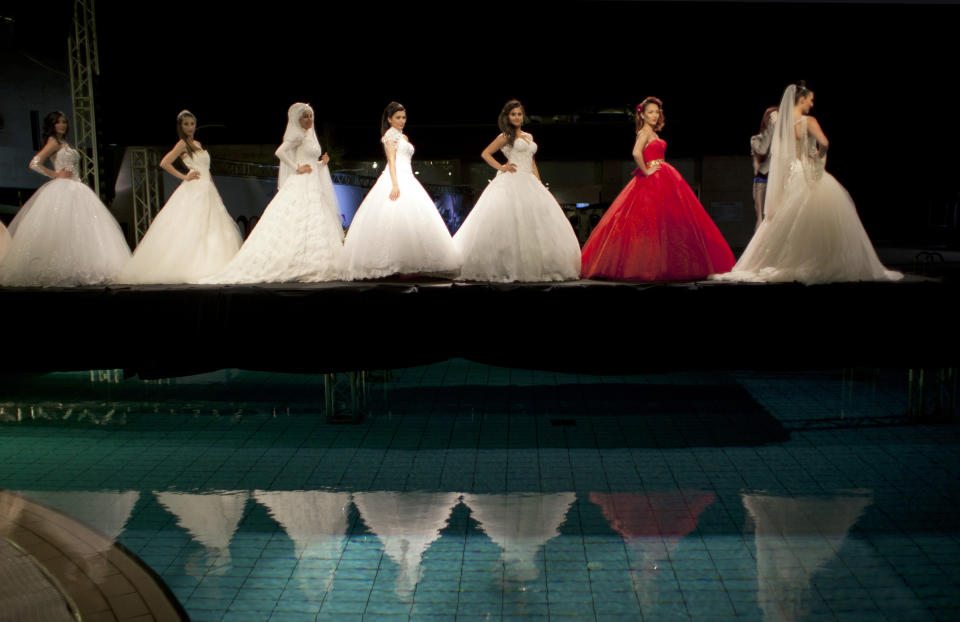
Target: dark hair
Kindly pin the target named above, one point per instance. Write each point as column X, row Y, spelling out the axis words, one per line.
column 802, row 91
column 504, row 120
column 49, row 121
column 765, row 120
column 642, row 106
column 180, row 117
column 391, row 109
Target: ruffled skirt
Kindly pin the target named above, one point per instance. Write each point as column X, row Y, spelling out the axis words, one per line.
column 517, row 232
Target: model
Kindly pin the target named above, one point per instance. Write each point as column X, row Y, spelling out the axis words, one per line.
column 193, row 236
column 760, row 154
column 656, row 229
column 810, row 231
column 397, row 229
column 63, row 235
column 516, row 231
column 299, row 236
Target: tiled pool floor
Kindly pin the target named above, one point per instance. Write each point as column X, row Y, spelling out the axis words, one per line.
column 478, row 493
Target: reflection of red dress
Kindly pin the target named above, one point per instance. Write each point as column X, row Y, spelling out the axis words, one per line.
column 656, row 230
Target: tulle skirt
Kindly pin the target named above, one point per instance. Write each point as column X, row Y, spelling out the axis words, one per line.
column 517, row 232
column 656, row 230
column 299, row 237
column 191, row 238
column 815, row 236
column 63, row 236
column 405, row 236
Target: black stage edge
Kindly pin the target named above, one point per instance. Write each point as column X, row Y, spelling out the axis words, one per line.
column 582, row 326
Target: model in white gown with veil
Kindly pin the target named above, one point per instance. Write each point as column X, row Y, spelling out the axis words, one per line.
column 193, row 236
column 517, row 231
column 397, row 228
column 299, row 236
column 810, row 232
column 63, row 235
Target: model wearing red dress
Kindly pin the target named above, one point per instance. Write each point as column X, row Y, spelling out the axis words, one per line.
column 655, row 230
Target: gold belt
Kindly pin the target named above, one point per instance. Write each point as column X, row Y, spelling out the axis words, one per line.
column 652, row 162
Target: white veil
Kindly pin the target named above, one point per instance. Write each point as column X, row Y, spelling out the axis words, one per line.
column 783, row 152
column 293, row 135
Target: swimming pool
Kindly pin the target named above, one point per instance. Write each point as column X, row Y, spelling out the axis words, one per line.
column 471, row 492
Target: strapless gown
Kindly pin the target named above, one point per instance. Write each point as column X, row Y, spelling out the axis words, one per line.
column 192, row 237
column 656, row 230
column 517, row 231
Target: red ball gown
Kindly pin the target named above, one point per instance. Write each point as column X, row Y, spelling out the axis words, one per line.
column 656, row 230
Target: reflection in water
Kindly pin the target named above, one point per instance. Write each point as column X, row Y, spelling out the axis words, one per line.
column 520, row 523
column 105, row 511
column 651, row 524
column 211, row 519
column 316, row 522
column 795, row 538
column 406, row 523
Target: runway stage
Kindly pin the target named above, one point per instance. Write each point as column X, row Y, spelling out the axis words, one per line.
column 582, row 326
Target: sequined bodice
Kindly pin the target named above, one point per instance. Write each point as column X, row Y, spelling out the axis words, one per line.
column 66, row 158
column 656, row 150
column 521, row 154
column 199, row 161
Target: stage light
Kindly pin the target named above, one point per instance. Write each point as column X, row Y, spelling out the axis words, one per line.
column 374, row 165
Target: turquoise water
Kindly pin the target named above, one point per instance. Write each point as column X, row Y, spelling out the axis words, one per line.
column 471, row 492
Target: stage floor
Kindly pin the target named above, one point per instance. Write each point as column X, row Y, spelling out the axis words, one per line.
column 582, row 326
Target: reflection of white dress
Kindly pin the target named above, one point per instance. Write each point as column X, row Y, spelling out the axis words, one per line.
column 795, row 538
column 211, row 518
column 520, row 523
column 192, row 237
column 406, row 236
column 407, row 523
column 316, row 522
column 814, row 234
column 64, row 235
column 299, row 236
column 517, row 231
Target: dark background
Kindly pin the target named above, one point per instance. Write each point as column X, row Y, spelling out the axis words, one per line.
column 884, row 74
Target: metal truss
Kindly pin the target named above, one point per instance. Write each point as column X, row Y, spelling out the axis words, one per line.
column 84, row 65
column 147, row 188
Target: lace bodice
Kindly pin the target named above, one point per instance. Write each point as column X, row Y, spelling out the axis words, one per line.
column 305, row 151
column 199, row 161
column 404, row 148
column 521, row 154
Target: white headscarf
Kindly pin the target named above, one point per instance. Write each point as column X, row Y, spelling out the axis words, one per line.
column 295, row 134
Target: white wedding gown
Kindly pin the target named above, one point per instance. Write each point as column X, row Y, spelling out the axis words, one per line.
column 299, row 236
column 63, row 235
column 812, row 234
column 517, row 231
column 192, row 237
column 405, row 236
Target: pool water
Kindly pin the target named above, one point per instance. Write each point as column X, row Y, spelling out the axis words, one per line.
column 471, row 492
